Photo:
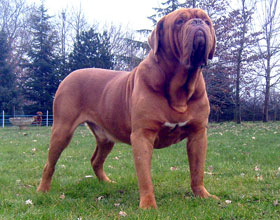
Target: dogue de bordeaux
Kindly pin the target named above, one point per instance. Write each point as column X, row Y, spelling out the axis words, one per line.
column 159, row 103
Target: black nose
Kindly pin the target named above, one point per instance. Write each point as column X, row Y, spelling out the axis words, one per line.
column 196, row 21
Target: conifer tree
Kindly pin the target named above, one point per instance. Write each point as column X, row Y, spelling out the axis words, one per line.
column 41, row 80
column 166, row 8
column 91, row 49
column 8, row 93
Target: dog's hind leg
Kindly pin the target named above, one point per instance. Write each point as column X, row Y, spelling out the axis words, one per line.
column 103, row 148
column 62, row 132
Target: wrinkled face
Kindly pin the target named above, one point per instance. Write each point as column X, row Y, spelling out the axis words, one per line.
column 185, row 34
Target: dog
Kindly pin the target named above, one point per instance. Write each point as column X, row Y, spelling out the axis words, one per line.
column 38, row 118
column 161, row 102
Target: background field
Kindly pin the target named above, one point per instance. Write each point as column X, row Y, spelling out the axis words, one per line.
column 242, row 168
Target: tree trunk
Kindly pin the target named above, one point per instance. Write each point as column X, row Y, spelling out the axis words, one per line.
column 266, row 101
column 255, row 103
column 275, row 112
column 239, row 60
column 270, row 28
column 237, row 92
column 267, row 92
column 194, row 3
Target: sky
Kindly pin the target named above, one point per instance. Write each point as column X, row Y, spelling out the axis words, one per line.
column 133, row 13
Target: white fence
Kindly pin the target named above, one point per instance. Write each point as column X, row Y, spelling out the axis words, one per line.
column 47, row 119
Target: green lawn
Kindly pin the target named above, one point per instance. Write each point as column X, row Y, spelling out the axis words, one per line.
column 242, row 168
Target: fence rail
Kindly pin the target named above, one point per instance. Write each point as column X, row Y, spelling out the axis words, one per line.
column 47, row 119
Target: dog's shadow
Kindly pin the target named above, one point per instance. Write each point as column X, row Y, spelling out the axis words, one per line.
column 124, row 191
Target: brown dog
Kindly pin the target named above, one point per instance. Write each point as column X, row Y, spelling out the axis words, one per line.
column 159, row 103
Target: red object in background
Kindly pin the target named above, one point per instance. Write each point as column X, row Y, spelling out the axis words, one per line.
column 38, row 118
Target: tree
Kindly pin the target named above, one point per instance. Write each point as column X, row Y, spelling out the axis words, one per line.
column 91, row 49
column 167, row 7
column 243, row 41
column 13, row 22
column 63, row 27
column 269, row 48
column 41, row 79
column 128, row 52
column 8, row 92
column 218, row 73
column 212, row 7
column 274, row 99
column 77, row 22
column 220, row 93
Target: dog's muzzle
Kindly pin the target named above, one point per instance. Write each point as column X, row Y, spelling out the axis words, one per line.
column 199, row 48
column 199, row 42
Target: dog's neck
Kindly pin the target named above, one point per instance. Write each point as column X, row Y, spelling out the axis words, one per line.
column 182, row 87
column 180, row 82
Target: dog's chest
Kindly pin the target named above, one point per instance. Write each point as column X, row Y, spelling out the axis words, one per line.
column 171, row 133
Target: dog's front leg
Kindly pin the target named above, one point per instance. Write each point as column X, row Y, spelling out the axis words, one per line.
column 142, row 142
column 196, row 148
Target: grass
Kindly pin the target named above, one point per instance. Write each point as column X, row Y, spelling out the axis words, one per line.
column 242, row 168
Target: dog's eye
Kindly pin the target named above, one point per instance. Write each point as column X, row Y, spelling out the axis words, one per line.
column 180, row 21
column 207, row 22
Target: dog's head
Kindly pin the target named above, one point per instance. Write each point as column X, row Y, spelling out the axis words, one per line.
column 186, row 35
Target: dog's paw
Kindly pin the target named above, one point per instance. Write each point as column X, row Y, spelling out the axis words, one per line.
column 148, row 202
column 203, row 193
column 43, row 189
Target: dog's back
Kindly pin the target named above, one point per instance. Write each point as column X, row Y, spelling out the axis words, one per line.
column 95, row 95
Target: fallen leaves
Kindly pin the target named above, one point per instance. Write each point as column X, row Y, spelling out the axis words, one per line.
column 278, row 172
column 122, row 214
column 62, row 196
column 210, row 170
column 28, row 202
column 117, row 204
column 19, row 182
column 100, row 198
column 208, row 173
column 228, row 202
column 225, row 203
column 259, row 177
column 88, row 176
column 174, row 168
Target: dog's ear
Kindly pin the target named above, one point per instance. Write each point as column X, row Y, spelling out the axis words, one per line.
column 154, row 38
column 213, row 49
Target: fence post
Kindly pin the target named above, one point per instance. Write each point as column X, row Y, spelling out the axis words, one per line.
column 3, row 119
column 47, row 122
